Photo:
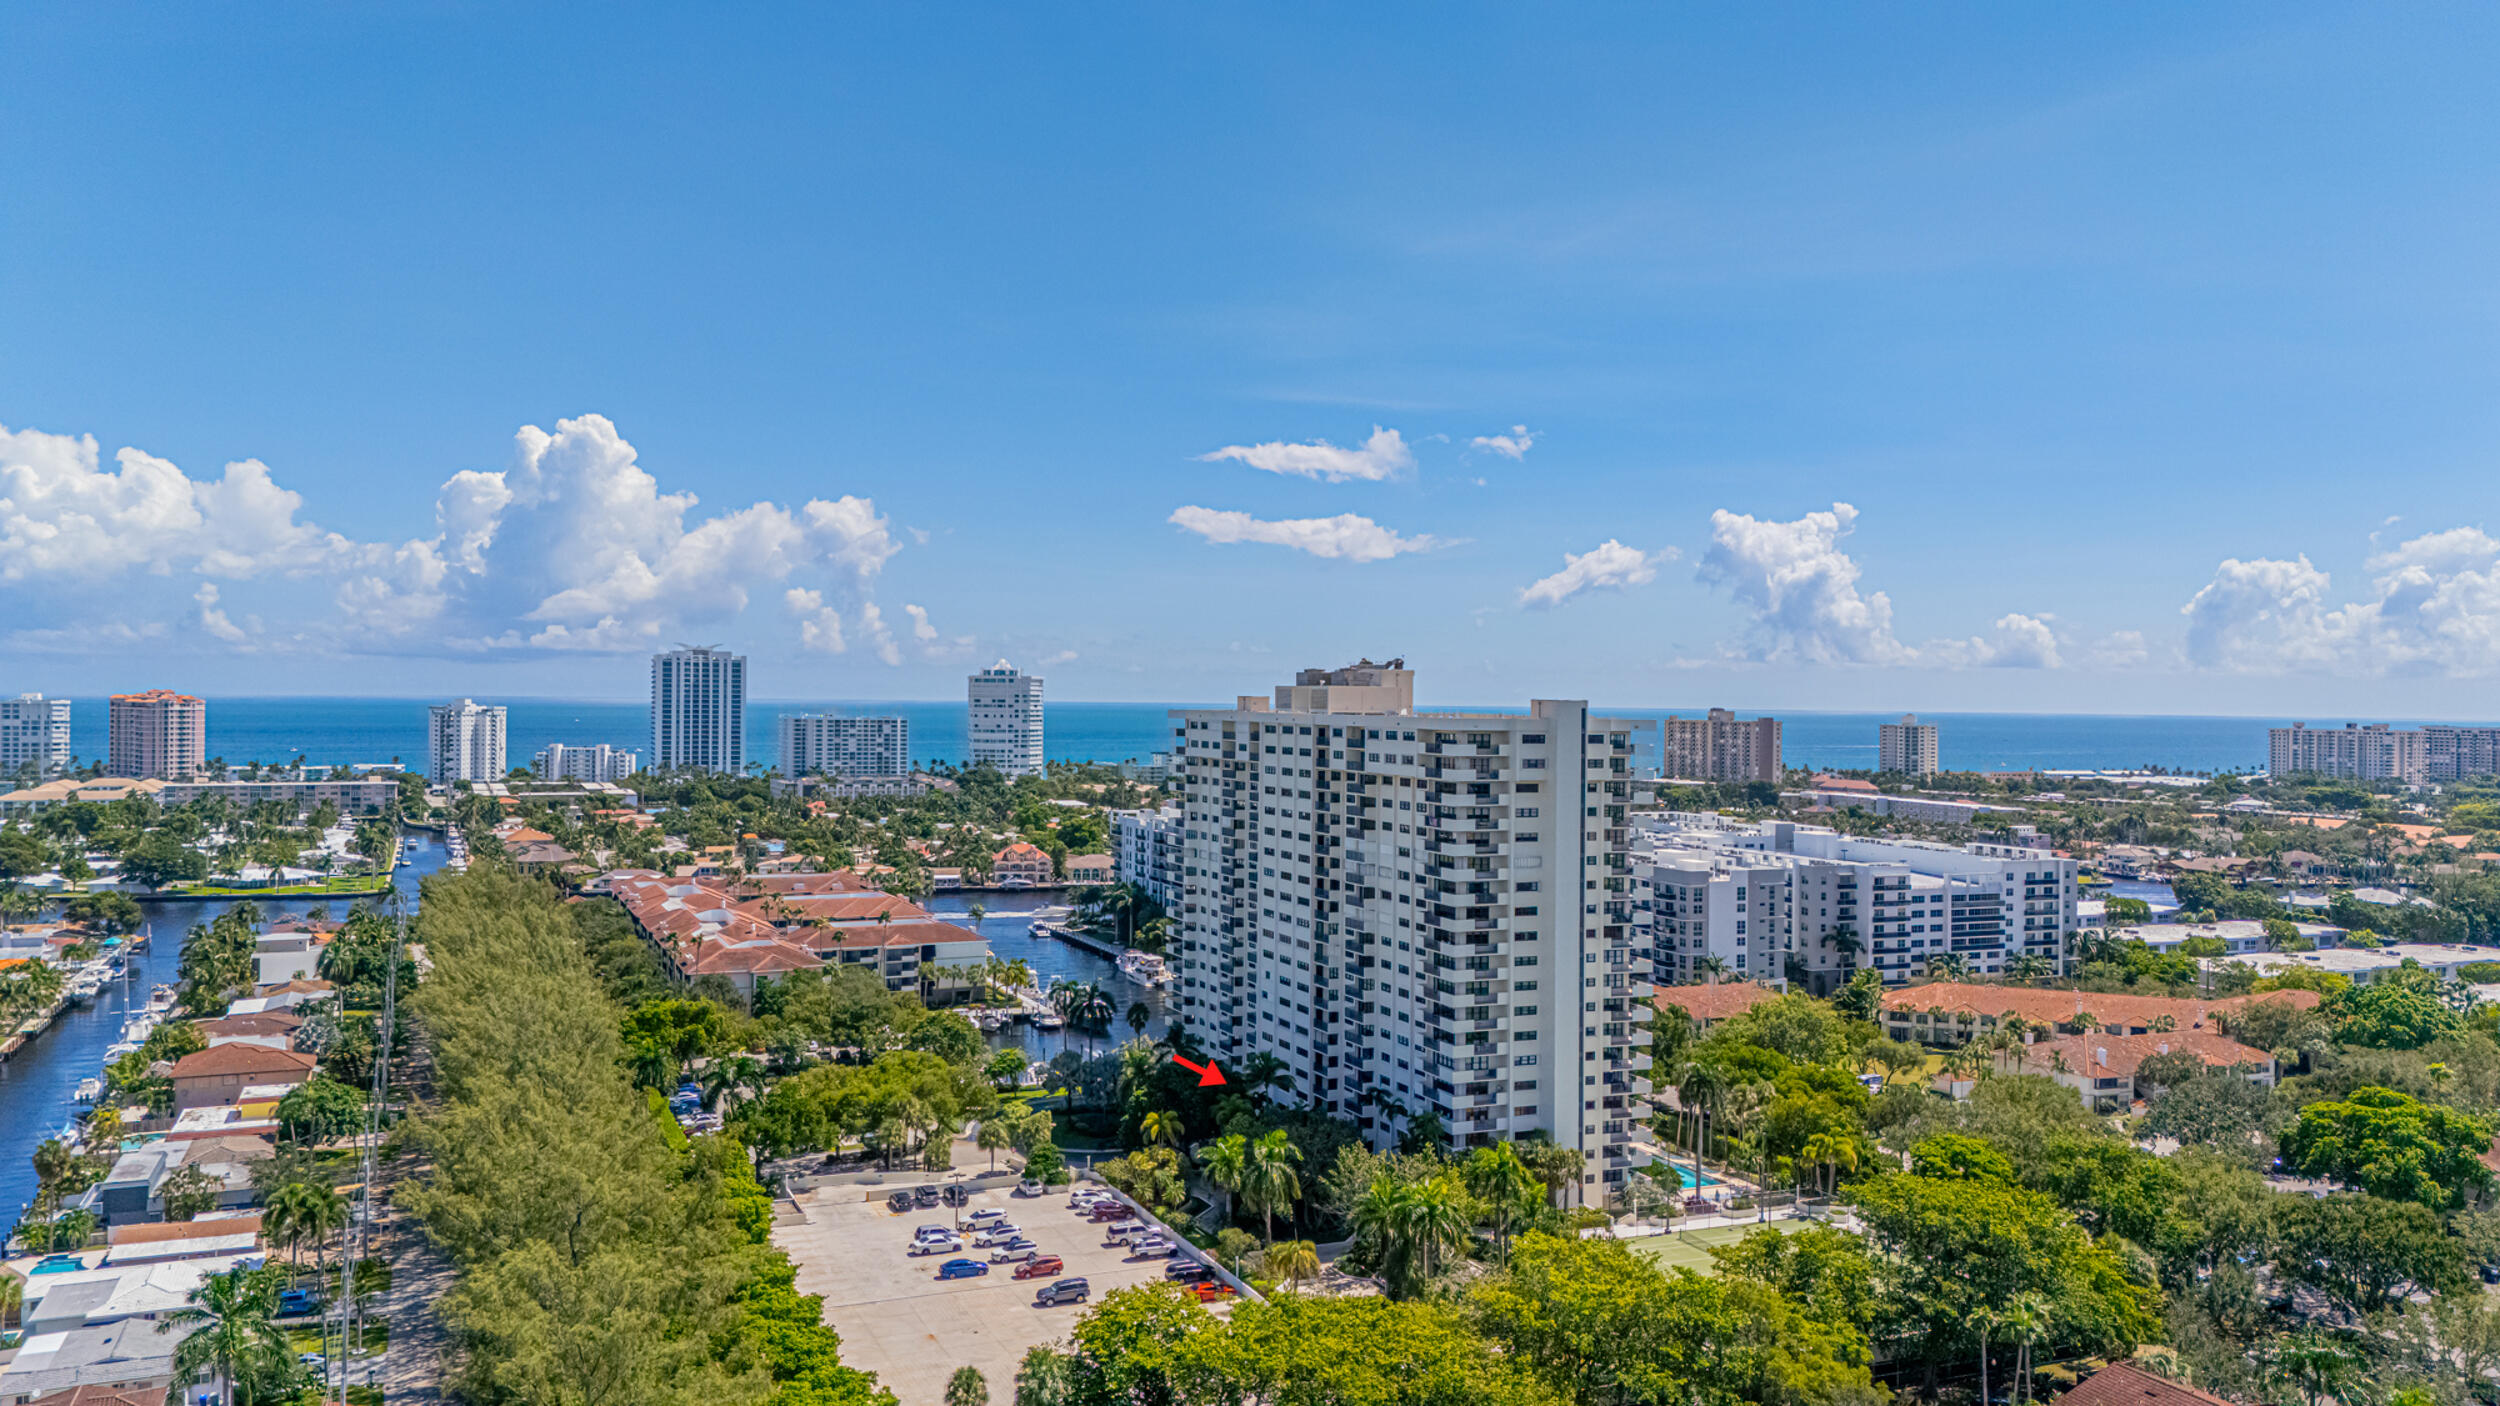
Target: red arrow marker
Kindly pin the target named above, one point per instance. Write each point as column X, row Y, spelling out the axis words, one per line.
column 1207, row 1073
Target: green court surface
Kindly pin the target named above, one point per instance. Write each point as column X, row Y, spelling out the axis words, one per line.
column 1690, row 1249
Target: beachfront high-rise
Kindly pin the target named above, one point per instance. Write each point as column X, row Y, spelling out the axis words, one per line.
column 558, row 761
column 1721, row 747
column 34, row 733
column 1421, row 913
column 1005, row 716
column 820, row 743
column 464, row 742
column 158, row 733
column 698, row 710
column 1908, row 747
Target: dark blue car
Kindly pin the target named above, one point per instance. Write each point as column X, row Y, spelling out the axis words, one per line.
column 962, row 1269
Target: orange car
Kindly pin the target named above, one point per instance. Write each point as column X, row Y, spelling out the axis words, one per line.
column 1209, row 1290
column 1040, row 1267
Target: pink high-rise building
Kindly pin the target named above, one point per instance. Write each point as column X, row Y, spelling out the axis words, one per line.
column 157, row 733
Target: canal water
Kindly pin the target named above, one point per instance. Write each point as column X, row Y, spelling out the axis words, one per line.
column 1008, row 926
column 38, row 1083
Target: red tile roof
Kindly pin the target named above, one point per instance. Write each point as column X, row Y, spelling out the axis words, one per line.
column 2116, row 1056
column 2125, row 1384
column 1714, row 1002
column 226, row 1061
column 2036, row 1004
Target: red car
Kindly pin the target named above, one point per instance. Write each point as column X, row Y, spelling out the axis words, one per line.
column 1040, row 1268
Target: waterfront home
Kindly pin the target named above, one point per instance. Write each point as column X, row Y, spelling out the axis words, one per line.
column 1089, row 868
column 2237, row 935
column 218, row 1075
column 753, row 928
column 2363, row 965
column 1020, row 864
column 92, row 1298
column 273, row 1029
column 1953, row 1013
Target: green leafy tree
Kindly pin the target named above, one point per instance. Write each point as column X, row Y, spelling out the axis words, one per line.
column 319, row 1110
column 2395, row 1013
column 2365, row 1252
column 2392, row 1145
column 967, row 1387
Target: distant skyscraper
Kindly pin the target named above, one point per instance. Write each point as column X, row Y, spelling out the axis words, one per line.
column 821, row 742
column 1720, row 747
column 1006, row 716
column 698, row 710
column 558, row 762
column 1908, row 747
column 463, row 742
column 34, row 731
column 158, row 733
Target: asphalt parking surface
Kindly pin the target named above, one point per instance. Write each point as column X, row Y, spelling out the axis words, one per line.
column 900, row 1321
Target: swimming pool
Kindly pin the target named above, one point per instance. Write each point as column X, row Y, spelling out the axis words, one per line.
column 1684, row 1177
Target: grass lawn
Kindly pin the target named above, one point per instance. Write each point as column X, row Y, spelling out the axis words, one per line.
column 344, row 885
column 1690, row 1249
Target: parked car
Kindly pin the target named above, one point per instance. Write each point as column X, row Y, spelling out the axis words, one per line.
column 955, row 1196
column 1183, row 1271
column 995, row 1235
column 986, row 1213
column 924, row 1196
column 1004, row 1255
column 1039, row 1266
column 1208, row 1290
column 951, row 1245
column 1029, row 1187
column 1110, row 1210
column 1019, row 1243
column 934, row 1232
column 298, row 1301
column 1153, row 1249
column 1121, row 1230
column 899, row 1203
column 962, row 1269
column 1063, row 1291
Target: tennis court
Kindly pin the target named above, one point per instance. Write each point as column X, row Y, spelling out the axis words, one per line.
column 1690, row 1249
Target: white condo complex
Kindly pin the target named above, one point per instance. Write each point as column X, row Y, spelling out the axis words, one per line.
column 1421, row 913
column 559, row 761
column 1779, row 903
column 34, row 732
column 464, row 742
column 698, row 710
column 1006, row 719
column 1908, row 747
column 814, row 743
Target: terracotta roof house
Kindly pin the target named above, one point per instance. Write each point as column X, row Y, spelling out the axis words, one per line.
column 1089, row 868
column 104, row 1396
column 715, row 928
column 1708, row 1005
column 2125, row 1384
column 1951, row 1012
column 2102, row 1068
column 217, row 1075
column 1824, row 781
column 1018, row 864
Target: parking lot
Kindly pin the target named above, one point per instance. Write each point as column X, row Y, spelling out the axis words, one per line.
column 898, row 1320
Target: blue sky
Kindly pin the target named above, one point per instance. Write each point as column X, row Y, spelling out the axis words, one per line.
column 2110, row 359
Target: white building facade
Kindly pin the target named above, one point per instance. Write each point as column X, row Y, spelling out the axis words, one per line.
column 559, row 761
column 1146, row 850
column 34, row 732
column 1909, row 747
column 464, row 742
column 1006, row 719
column 1786, row 903
column 698, row 710
column 820, row 743
column 1420, row 913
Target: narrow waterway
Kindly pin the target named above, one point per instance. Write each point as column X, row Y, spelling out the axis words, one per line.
column 39, row 1083
column 1008, row 926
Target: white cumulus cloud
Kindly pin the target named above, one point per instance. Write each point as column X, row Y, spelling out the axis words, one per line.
column 1382, row 456
column 1346, row 535
column 1609, row 565
column 2433, row 607
column 820, row 625
column 1514, row 445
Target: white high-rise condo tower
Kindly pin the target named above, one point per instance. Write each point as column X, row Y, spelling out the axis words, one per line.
column 698, row 710
column 464, row 742
column 1908, row 747
column 1421, row 913
column 558, row 761
column 1006, row 718
column 813, row 743
column 34, row 732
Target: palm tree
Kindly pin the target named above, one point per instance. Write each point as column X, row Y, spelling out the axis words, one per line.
column 729, row 1076
column 12, row 1298
column 2027, row 1317
column 236, row 1339
column 1064, row 999
column 1555, row 1165
column 992, row 1138
column 1159, row 1128
column 1261, row 1072
column 1496, row 1177
column 1834, row 1152
column 1227, row 1164
column 1093, row 1010
column 1292, row 1261
column 289, row 1216
column 1138, row 1017
column 967, row 1388
column 1271, row 1180
column 1045, row 1377
column 1437, row 1219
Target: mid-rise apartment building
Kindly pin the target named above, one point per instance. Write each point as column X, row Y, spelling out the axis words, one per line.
column 1908, row 747
column 1005, row 719
column 1420, row 913
column 1146, row 850
column 698, row 710
column 1779, row 902
column 464, row 742
column 2378, row 752
column 159, row 733
column 814, row 744
column 1721, row 747
column 34, row 732
column 562, row 761
column 306, row 791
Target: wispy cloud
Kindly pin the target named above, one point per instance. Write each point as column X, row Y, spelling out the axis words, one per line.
column 1345, row 536
column 1609, row 565
column 1514, row 445
column 1382, row 456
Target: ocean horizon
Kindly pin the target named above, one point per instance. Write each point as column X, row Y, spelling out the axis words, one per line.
column 332, row 731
